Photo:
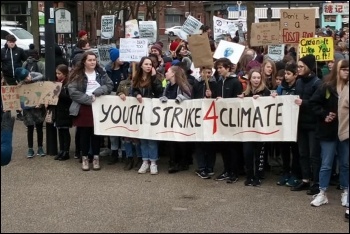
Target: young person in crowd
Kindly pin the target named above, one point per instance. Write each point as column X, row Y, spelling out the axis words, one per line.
column 254, row 160
column 145, row 84
column 87, row 82
column 228, row 86
column 177, row 89
column 291, row 174
column 280, row 77
column 62, row 119
column 33, row 116
column 205, row 151
column 324, row 103
column 309, row 147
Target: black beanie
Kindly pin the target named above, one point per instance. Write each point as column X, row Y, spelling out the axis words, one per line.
column 309, row 60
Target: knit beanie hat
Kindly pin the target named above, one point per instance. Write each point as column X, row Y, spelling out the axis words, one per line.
column 82, row 33
column 113, row 54
column 174, row 45
column 21, row 73
column 309, row 60
column 157, row 47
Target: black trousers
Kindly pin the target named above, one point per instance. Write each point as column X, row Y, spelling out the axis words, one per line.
column 64, row 139
column 290, row 150
column 39, row 132
column 177, row 153
column 87, row 139
column 229, row 152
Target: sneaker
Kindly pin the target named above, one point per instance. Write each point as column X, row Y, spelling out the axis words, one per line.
column 232, row 179
column 96, row 163
column 344, row 198
column 202, row 174
column 154, row 169
column 346, row 215
column 59, row 155
column 30, row 153
column 144, row 168
column 301, row 186
column 256, row 182
column 210, row 171
column 292, row 181
column 319, row 199
column 314, row 190
column 249, row 182
column 77, row 155
column 223, row 176
column 283, row 179
column 41, row 152
column 85, row 163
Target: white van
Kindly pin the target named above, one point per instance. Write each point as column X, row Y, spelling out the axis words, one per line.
column 24, row 38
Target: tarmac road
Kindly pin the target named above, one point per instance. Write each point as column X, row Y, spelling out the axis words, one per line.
column 44, row 195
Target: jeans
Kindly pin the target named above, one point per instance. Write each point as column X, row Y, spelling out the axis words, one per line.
column 328, row 151
column 149, row 150
column 115, row 142
column 309, row 152
column 205, row 155
column 131, row 148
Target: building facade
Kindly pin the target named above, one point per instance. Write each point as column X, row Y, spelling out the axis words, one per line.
column 335, row 15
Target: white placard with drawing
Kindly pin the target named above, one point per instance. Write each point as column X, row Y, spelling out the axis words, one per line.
column 230, row 50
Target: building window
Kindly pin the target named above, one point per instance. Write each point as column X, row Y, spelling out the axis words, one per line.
column 330, row 18
column 172, row 20
column 169, row 3
column 182, row 3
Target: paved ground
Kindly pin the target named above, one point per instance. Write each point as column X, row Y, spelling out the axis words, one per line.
column 43, row 195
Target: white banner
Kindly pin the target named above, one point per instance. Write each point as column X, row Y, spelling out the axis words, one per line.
column 107, row 26
column 276, row 52
column 191, row 26
column 224, row 26
column 133, row 49
column 148, row 30
column 232, row 119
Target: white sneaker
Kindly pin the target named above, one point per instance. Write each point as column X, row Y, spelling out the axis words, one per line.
column 154, row 169
column 144, row 168
column 319, row 200
column 344, row 198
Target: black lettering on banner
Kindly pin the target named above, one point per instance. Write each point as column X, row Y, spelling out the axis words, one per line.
column 278, row 114
column 105, row 113
column 257, row 116
column 246, row 113
column 221, row 114
column 155, row 112
column 268, row 107
column 177, row 112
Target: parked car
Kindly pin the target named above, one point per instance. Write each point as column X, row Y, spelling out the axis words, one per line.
column 24, row 38
column 173, row 31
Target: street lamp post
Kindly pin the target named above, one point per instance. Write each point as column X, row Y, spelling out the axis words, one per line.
column 269, row 13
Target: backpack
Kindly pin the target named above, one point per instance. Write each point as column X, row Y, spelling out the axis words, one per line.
column 32, row 66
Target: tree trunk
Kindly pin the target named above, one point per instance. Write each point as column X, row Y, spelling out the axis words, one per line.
column 35, row 25
column 250, row 18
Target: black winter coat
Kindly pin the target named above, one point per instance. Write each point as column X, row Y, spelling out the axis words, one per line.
column 15, row 56
column 323, row 101
column 229, row 87
column 61, row 116
column 199, row 88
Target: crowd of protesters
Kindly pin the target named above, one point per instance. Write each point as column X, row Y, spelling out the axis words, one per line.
column 320, row 154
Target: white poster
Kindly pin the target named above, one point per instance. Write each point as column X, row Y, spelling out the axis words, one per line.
column 232, row 119
column 148, row 30
column 133, row 49
column 230, row 50
column 63, row 21
column 191, row 26
column 103, row 53
column 224, row 26
column 107, row 26
column 276, row 52
column 132, row 29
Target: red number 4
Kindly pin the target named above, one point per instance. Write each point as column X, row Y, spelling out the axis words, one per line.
column 213, row 117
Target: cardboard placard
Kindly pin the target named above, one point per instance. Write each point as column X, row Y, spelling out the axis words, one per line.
column 267, row 33
column 296, row 24
column 200, row 50
column 10, row 98
column 321, row 47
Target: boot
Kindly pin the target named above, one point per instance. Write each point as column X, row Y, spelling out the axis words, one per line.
column 129, row 164
column 138, row 163
column 85, row 163
column 65, row 156
column 113, row 158
column 59, row 155
column 96, row 163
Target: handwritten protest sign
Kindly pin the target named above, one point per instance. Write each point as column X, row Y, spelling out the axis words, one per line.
column 190, row 27
column 276, row 52
column 131, row 29
column 10, row 98
column 231, row 119
column 107, row 26
column 225, row 26
column 148, row 30
column 296, row 24
column 230, row 50
column 103, row 54
column 133, row 49
column 266, row 33
column 321, row 47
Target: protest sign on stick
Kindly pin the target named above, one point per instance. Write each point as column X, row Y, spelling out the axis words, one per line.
column 148, row 30
column 107, row 26
column 200, row 50
column 133, row 49
column 266, row 33
column 321, row 47
column 230, row 50
column 191, row 26
column 132, row 29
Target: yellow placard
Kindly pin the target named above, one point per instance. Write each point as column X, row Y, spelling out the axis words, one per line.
column 321, row 47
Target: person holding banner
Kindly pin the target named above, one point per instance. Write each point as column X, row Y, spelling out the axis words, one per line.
column 309, row 146
column 146, row 85
column 324, row 103
column 228, row 86
column 179, row 89
column 87, row 82
column 205, row 152
column 253, row 155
